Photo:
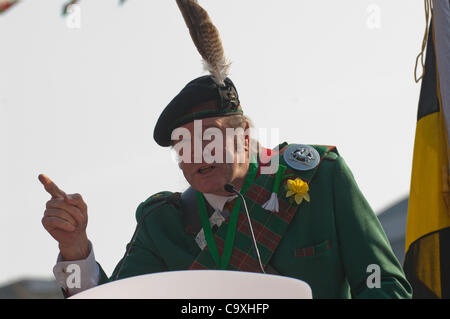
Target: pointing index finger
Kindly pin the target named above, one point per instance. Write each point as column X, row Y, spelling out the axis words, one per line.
column 51, row 187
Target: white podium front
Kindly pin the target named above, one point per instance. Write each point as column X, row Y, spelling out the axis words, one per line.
column 201, row 284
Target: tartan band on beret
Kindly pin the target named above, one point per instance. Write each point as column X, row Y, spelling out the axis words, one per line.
column 199, row 99
column 204, row 110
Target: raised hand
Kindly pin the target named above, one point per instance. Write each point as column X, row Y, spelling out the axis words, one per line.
column 65, row 218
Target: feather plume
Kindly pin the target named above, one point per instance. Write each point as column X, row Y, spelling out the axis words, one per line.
column 206, row 38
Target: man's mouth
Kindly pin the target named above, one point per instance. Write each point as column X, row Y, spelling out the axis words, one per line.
column 206, row 169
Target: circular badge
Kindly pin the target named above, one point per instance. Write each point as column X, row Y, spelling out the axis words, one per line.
column 301, row 157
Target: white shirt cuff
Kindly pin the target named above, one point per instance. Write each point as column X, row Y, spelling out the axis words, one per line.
column 75, row 276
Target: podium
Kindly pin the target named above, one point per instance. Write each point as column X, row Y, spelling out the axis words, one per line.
column 201, row 284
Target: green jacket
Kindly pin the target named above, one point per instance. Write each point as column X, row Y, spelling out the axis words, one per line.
column 329, row 243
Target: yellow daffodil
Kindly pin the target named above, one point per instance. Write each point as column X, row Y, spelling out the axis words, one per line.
column 299, row 188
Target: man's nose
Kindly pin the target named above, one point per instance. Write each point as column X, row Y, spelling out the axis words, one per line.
column 202, row 151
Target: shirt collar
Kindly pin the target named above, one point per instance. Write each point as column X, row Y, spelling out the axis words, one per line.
column 218, row 201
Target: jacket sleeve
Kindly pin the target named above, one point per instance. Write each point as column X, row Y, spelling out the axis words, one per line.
column 142, row 258
column 364, row 247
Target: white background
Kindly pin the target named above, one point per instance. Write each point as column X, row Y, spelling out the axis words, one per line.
column 80, row 105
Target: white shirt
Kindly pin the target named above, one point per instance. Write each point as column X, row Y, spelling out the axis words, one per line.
column 217, row 201
column 88, row 269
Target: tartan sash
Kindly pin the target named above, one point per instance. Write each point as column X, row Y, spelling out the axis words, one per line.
column 268, row 227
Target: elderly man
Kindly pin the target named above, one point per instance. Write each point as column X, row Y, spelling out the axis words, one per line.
column 310, row 219
column 305, row 212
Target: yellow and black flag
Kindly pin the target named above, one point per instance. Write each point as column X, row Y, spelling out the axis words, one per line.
column 427, row 261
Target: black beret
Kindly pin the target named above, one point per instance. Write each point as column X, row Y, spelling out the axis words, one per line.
column 200, row 98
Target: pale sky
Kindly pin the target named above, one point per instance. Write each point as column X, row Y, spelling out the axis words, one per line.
column 80, row 105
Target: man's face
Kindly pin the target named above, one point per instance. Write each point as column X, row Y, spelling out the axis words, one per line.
column 212, row 161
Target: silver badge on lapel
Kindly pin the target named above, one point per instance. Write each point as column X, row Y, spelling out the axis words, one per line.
column 301, row 157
